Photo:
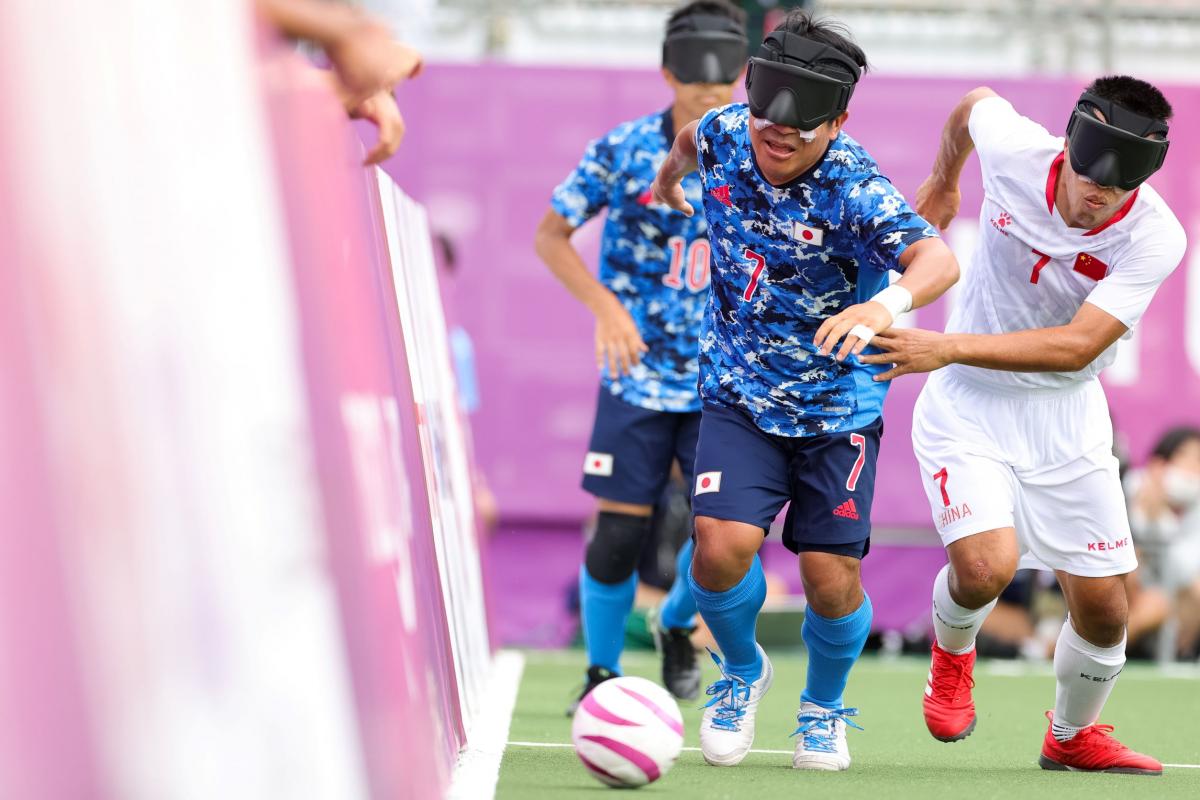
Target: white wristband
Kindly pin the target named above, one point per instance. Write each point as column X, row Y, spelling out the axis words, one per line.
column 896, row 299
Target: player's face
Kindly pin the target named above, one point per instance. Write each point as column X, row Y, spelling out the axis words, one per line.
column 784, row 153
column 1089, row 204
column 693, row 99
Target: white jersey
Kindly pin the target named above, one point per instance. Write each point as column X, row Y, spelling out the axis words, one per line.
column 1031, row 270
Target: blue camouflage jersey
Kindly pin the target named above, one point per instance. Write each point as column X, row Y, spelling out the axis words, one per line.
column 785, row 259
column 654, row 260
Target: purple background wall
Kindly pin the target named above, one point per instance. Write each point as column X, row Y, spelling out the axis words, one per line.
column 486, row 145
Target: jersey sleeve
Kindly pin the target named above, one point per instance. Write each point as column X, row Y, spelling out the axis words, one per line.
column 1126, row 292
column 885, row 222
column 998, row 132
column 585, row 191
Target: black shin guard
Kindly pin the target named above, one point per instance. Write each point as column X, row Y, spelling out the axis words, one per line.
column 612, row 554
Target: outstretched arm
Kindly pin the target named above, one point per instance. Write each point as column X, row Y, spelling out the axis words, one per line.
column 938, row 198
column 681, row 161
column 930, row 268
column 1064, row 348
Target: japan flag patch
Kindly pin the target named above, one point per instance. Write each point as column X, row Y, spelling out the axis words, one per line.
column 708, row 482
column 806, row 235
column 598, row 464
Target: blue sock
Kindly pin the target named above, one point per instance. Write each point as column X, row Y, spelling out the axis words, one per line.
column 679, row 609
column 731, row 616
column 833, row 647
column 604, row 608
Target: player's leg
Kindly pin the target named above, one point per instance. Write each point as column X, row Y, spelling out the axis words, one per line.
column 675, row 619
column 741, row 483
column 972, row 494
column 626, row 466
column 1079, row 528
column 828, row 525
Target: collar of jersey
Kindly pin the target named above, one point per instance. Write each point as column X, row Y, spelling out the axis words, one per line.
column 1052, row 185
column 799, row 179
column 668, row 126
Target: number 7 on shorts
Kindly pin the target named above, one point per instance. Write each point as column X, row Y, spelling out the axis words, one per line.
column 941, row 476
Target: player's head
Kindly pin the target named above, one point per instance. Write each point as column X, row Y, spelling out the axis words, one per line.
column 1176, row 461
column 1116, row 139
column 704, row 53
column 799, row 86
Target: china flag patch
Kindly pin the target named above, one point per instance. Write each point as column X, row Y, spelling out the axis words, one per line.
column 1092, row 267
column 598, row 464
column 807, row 235
column 708, row 482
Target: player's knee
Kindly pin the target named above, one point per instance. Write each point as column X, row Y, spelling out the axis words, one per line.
column 723, row 553
column 979, row 581
column 612, row 554
column 832, row 584
column 1101, row 620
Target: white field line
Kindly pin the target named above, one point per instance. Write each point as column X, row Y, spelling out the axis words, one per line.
column 478, row 766
column 764, row 752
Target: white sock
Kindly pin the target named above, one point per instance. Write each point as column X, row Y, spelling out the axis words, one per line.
column 955, row 626
column 1086, row 674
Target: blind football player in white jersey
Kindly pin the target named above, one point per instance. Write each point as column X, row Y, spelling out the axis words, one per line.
column 1012, row 430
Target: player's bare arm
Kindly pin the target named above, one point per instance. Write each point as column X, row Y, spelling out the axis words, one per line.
column 930, row 268
column 667, row 188
column 1065, row 348
column 938, row 198
column 618, row 342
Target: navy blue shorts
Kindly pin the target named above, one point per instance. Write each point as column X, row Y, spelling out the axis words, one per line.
column 630, row 455
column 746, row 475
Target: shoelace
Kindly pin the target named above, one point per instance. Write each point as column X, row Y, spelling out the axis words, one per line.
column 1102, row 735
column 818, row 728
column 729, row 695
column 949, row 678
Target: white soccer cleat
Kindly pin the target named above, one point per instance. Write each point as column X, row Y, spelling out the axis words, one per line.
column 822, row 743
column 727, row 729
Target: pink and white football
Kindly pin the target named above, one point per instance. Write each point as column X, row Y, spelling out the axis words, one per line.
column 628, row 732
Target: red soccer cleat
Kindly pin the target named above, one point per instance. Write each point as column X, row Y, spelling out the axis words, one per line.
column 949, row 708
column 1094, row 749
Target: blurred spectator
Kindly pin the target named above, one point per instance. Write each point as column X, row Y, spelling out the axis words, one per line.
column 1164, row 515
column 462, row 356
column 367, row 61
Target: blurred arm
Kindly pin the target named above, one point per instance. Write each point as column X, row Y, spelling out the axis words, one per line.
column 681, row 161
column 617, row 338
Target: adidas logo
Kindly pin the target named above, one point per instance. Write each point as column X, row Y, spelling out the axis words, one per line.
column 847, row 510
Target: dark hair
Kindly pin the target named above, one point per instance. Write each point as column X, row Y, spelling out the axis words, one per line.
column 1174, row 439
column 1133, row 95
column 718, row 8
column 825, row 31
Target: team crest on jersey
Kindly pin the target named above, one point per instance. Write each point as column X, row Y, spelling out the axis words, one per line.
column 1002, row 222
column 646, row 198
column 806, row 235
column 722, row 195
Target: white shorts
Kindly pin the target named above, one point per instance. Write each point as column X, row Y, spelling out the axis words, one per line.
column 1038, row 462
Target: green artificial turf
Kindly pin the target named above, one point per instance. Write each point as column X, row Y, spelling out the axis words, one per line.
column 1153, row 712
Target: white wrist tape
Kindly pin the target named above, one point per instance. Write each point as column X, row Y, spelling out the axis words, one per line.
column 862, row 332
column 896, row 299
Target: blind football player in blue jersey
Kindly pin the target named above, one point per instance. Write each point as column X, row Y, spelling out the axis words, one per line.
column 648, row 303
column 804, row 229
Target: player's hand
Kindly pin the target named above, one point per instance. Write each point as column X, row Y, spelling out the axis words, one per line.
column 368, row 60
column 381, row 109
column 908, row 350
column 838, row 329
column 670, row 193
column 619, row 346
column 937, row 202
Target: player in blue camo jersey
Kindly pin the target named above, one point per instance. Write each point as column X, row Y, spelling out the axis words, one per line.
column 648, row 302
column 804, row 230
